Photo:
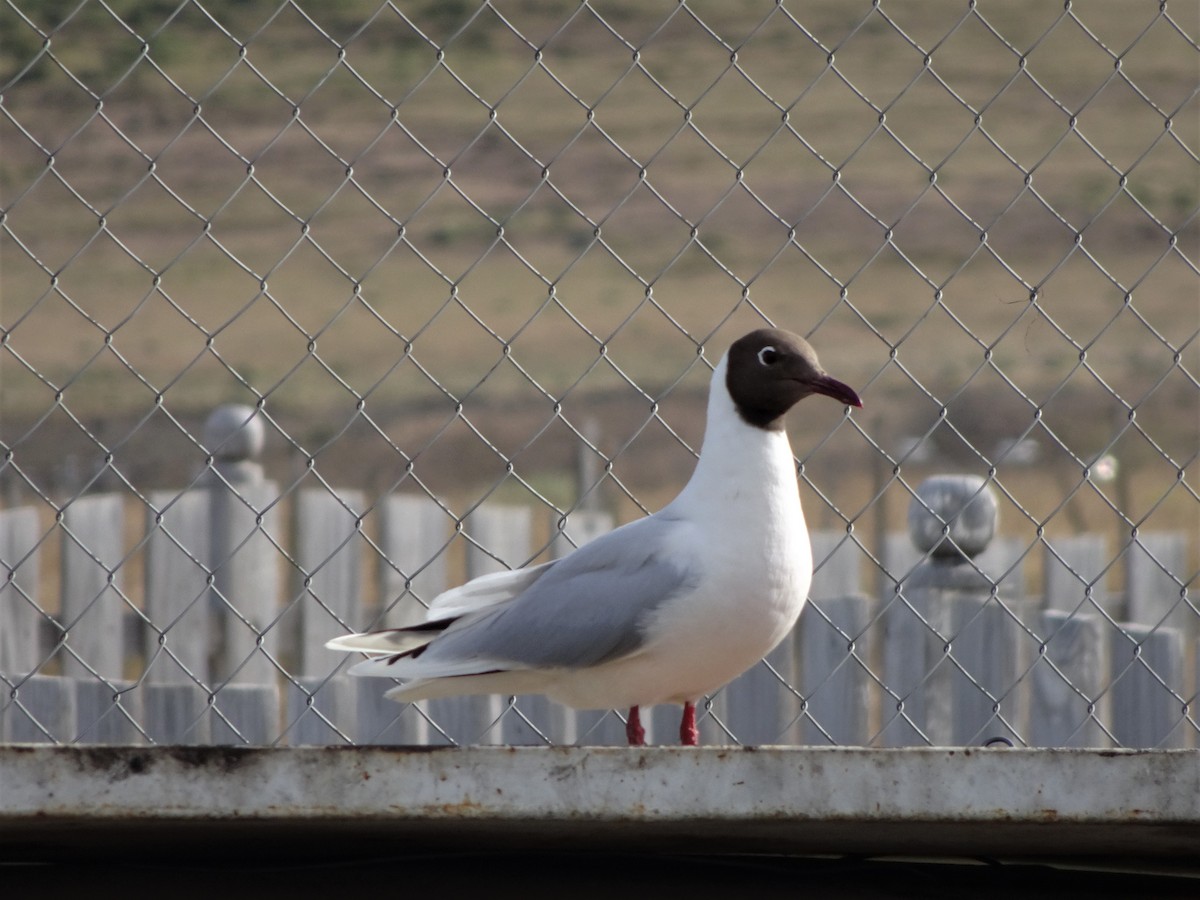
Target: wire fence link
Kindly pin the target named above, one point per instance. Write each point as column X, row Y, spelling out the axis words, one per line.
column 310, row 311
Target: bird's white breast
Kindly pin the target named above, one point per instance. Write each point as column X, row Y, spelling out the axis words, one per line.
column 757, row 563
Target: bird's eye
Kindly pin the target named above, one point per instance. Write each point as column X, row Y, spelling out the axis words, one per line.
column 768, row 356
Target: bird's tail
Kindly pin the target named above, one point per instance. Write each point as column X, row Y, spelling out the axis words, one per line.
column 398, row 653
column 391, row 642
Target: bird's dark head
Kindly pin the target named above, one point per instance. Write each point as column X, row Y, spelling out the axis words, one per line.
column 769, row 370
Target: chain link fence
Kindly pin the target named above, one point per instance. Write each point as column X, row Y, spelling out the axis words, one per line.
column 312, row 310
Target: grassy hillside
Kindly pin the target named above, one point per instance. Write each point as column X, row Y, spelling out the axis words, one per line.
column 363, row 217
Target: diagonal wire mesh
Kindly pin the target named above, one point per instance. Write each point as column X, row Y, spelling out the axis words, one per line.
column 453, row 276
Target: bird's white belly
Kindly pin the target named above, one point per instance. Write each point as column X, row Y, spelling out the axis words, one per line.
column 698, row 646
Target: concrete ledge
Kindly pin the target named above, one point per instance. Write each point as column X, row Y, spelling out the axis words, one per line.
column 1109, row 807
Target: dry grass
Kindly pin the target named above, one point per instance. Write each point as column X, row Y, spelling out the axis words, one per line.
column 294, row 284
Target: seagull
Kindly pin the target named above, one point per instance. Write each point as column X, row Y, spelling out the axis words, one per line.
column 665, row 609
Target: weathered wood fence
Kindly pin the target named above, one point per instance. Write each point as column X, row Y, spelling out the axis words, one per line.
column 205, row 622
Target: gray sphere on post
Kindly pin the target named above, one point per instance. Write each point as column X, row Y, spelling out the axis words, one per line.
column 233, row 432
column 961, row 507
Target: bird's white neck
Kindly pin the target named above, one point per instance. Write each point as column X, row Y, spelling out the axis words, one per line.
column 739, row 463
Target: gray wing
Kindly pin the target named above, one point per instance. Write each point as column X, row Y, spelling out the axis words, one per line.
column 588, row 608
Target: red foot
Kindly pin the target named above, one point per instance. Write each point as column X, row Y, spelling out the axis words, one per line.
column 634, row 731
column 689, row 736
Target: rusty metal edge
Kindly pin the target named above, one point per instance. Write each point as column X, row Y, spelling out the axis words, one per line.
column 946, row 802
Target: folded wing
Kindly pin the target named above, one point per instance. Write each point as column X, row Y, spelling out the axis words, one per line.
column 586, row 609
column 478, row 594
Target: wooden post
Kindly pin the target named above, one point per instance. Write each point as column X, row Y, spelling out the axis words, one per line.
column 246, row 714
column 952, row 650
column 837, row 565
column 326, row 600
column 835, row 686
column 177, row 713
column 92, row 605
column 1000, row 561
column 178, row 637
column 328, row 551
column 760, row 706
column 1003, row 561
column 383, row 721
column 1070, row 699
column 1156, row 571
column 43, row 711
column 1070, row 566
column 1147, row 666
column 319, row 708
column 243, row 560
column 833, row 682
column 107, row 711
column 588, row 471
column 413, row 534
column 21, row 650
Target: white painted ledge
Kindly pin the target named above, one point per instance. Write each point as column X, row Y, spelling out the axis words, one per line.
column 1099, row 806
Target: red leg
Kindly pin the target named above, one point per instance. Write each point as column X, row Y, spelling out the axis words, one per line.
column 634, row 731
column 688, row 735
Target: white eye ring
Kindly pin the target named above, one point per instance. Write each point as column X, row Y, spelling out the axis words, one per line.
column 768, row 356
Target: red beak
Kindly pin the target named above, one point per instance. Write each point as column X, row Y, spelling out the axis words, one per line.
column 831, row 387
